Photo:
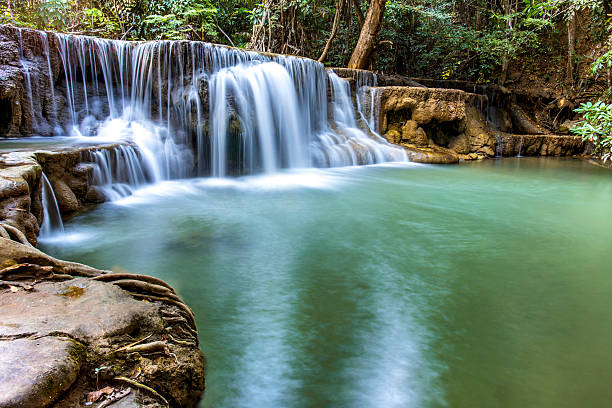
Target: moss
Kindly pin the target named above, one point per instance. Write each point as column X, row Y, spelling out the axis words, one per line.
column 78, row 352
column 73, row 292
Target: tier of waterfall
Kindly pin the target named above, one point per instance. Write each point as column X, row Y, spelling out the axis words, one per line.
column 195, row 109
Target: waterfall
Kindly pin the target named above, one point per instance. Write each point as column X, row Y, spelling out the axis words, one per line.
column 118, row 170
column 197, row 109
column 52, row 219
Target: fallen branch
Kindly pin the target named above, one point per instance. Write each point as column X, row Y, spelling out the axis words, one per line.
column 132, row 344
column 153, row 347
column 143, row 387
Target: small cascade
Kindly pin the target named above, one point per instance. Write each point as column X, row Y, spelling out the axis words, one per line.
column 362, row 83
column 520, row 147
column 499, row 146
column 52, row 219
column 345, row 143
column 118, row 171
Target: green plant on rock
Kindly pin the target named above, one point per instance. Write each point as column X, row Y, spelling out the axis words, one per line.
column 596, row 126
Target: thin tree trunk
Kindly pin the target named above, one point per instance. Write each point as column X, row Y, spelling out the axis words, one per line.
column 357, row 8
column 367, row 39
column 571, row 47
column 335, row 26
column 506, row 57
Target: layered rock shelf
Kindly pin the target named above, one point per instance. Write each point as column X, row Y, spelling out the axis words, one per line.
column 71, row 335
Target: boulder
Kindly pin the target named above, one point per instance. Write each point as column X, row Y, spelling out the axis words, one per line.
column 34, row 372
column 63, row 336
column 413, row 134
column 66, row 199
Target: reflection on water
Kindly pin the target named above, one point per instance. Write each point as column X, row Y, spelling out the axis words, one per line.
column 485, row 284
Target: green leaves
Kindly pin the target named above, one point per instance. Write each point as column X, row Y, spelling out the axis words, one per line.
column 596, row 126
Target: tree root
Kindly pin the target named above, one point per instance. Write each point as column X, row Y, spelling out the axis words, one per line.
column 3, row 233
column 132, row 344
column 120, row 276
column 13, row 283
column 26, row 271
column 132, row 285
column 15, row 233
column 12, row 252
column 173, row 302
column 140, row 386
column 182, row 342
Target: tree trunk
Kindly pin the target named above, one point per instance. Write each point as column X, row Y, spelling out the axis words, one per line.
column 367, row 39
column 334, row 31
column 506, row 57
column 571, row 47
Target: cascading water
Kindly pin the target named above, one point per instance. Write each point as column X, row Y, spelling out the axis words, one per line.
column 52, row 219
column 117, row 171
column 179, row 109
column 193, row 108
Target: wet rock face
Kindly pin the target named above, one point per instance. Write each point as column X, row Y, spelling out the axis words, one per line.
column 35, row 372
column 63, row 336
column 34, row 83
column 538, row 145
column 27, row 72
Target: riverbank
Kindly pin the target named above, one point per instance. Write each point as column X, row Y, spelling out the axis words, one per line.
column 71, row 333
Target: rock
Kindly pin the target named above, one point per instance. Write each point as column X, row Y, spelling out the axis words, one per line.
column 74, row 332
column 413, row 134
column 393, row 135
column 66, row 200
column 35, row 372
column 431, row 155
column 480, row 139
column 460, row 144
column 20, row 193
column 95, row 195
column 566, row 126
column 539, row 145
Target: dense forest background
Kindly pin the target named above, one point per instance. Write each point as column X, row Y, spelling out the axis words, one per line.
column 505, row 41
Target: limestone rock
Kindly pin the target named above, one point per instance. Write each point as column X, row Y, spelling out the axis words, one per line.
column 431, row 155
column 66, row 200
column 61, row 340
column 413, row 134
column 393, row 135
column 460, row 144
column 35, row 372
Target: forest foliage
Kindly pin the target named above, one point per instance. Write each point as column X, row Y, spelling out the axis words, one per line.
column 461, row 39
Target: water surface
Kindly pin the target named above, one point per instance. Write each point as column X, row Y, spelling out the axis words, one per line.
column 485, row 284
